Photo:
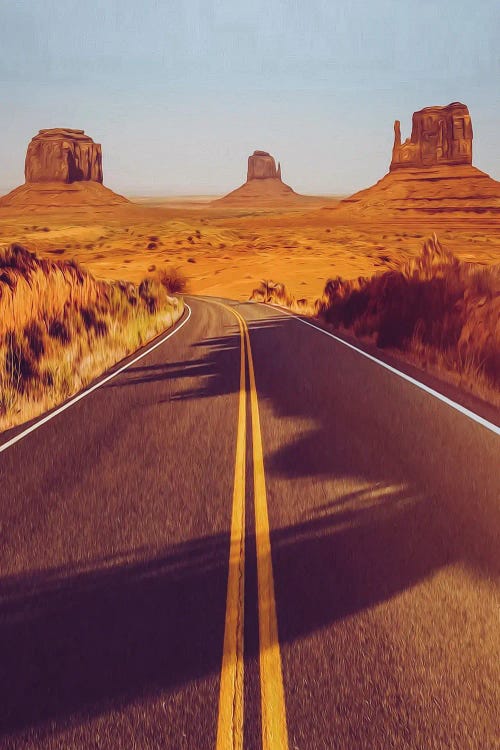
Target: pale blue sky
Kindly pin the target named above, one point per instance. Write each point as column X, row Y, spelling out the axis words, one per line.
column 179, row 92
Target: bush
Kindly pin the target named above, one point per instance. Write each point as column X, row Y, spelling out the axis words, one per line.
column 60, row 327
column 173, row 280
column 436, row 309
column 435, row 303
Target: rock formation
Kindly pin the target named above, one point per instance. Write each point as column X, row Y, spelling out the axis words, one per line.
column 431, row 172
column 63, row 168
column 63, row 155
column 264, row 186
column 261, row 166
column 439, row 136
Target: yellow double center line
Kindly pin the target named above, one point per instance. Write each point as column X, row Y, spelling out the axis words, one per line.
column 230, row 722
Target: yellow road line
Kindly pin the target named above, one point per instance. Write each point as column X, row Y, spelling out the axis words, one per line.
column 230, row 722
column 274, row 729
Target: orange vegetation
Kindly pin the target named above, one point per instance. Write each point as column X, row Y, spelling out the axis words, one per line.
column 442, row 312
column 60, row 328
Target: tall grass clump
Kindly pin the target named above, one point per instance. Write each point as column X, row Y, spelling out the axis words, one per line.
column 276, row 293
column 443, row 313
column 60, row 328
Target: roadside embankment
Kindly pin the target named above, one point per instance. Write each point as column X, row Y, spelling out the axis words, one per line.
column 437, row 312
column 60, row 328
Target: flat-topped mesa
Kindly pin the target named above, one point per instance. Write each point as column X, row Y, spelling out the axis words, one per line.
column 261, row 166
column 439, row 136
column 63, row 155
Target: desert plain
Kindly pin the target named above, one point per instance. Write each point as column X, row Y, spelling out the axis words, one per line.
column 226, row 251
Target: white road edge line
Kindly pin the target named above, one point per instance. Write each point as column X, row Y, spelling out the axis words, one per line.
column 458, row 407
column 94, row 387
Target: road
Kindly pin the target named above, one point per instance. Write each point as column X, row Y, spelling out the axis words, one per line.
column 253, row 536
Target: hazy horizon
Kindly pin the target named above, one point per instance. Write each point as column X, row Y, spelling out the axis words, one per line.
column 180, row 93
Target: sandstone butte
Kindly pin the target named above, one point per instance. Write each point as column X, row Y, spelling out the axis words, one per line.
column 63, row 167
column 263, row 187
column 431, row 172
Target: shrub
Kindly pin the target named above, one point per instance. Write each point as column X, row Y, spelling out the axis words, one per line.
column 59, row 330
column 436, row 309
column 435, row 303
column 34, row 335
column 273, row 292
column 60, row 327
column 20, row 365
column 173, row 280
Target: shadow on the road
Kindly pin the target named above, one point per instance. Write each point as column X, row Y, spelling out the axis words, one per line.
column 357, row 426
column 370, row 425
column 84, row 641
column 76, row 643
column 203, row 376
column 361, row 427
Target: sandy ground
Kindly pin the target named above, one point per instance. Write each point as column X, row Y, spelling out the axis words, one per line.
column 226, row 251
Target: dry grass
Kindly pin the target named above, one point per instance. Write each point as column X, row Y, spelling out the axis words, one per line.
column 277, row 294
column 60, row 328
column 441, row 313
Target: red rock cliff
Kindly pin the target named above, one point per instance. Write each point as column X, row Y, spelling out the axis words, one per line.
column 261, row 166
column 63, row 155
column 439, row 136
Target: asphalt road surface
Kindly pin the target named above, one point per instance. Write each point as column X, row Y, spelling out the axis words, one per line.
column 252, row 537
